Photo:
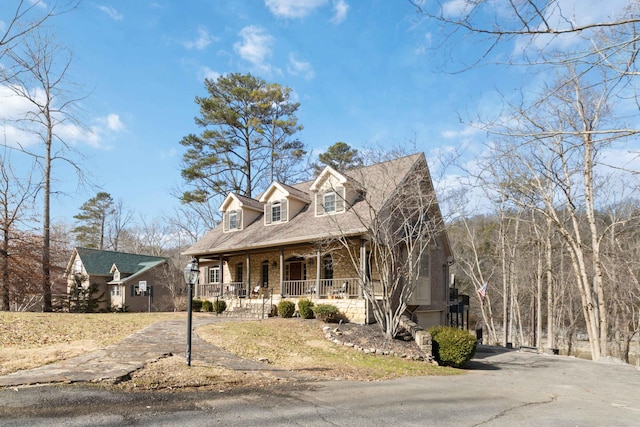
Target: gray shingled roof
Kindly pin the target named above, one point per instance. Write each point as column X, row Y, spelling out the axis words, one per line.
column 249, row 201
column 99, row 263
column 379, row 181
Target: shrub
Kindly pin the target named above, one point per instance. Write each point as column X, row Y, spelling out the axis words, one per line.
column 452, row 346
column 326, row 312
column 219, row 306
column 274, row 310
column 286, row 308
column 196, row 305
column 207, row 306
column 305, row 308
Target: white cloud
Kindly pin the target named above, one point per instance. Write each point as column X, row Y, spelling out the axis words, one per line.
column 12, row 136
column 114, row 123
column 18, row 132
column 340, row 7
column 111, row 12
column 303, row 68
column 255, row 46
column 293, row 8
column 456, row 8
column 207, row 73
column 465, row 133
column 39, row 3
column 203, row 40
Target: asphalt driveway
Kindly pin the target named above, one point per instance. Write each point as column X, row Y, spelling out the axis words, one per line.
column 501, row 388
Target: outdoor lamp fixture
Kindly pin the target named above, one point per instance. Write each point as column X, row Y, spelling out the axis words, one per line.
column 191, row 272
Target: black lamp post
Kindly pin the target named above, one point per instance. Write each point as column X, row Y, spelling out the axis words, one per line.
column 191, row 272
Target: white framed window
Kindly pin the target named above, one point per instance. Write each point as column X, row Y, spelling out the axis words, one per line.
column 115, row 291
column 77, row 265
column 276, row 212
column 233, row 220
column 116, row 275
column 330, row 201
column 214, row 274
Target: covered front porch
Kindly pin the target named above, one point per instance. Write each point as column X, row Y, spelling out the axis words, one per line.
column 312, row 288
column 303, row 271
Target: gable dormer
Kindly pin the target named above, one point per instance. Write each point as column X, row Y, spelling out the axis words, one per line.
column 238, row 211
column 282, row 202
column 116, row 273
column 332, row 192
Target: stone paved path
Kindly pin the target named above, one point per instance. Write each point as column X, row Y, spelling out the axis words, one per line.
column 118, row 361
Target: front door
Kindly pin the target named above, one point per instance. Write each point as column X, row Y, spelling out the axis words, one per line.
column 295, row 271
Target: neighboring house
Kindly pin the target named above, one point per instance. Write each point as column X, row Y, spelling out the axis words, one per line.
column 285, row 244
column 118, row 278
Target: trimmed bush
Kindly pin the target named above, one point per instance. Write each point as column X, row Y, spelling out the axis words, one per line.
column 326, row 312
column 286, row 308
column 219, row 306
column 207, row 306
column 196, row 305
column 305, row 308
column 452, row 346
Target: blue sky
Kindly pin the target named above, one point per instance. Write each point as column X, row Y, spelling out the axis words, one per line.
column 363, row 72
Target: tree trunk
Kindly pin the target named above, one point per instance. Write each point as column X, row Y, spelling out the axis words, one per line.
column 46, row 227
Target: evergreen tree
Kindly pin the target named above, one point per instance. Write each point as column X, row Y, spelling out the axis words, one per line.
column 248, row 128
column 339, row 156
column 92, row 221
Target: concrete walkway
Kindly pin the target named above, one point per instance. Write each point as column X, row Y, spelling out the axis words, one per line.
column 118, row 361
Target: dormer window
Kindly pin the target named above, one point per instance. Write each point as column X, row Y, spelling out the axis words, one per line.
column 275, row 212
column 233, row 220
column 77, row 266
column 330, row 202
column 116, row 275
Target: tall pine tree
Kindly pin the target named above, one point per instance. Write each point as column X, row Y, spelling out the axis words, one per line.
column 92, row 221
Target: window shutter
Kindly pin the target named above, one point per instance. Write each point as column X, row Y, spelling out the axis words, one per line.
column 239, row 218
column 267, row 213
column 133, row 290
column 225, row 221
column 150, row 289
column 283, row 210
column 339, row 199
column 319, row 203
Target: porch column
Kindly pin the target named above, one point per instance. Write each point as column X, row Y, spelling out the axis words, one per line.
column 281, row 256
column 221, row 265
column 247, row 281
column 363, row 266
column 317, row 271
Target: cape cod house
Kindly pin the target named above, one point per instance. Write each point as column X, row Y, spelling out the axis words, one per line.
column 314, row 240
column 121, row 280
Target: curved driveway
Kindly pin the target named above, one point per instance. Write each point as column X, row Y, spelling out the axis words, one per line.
column 502, row 388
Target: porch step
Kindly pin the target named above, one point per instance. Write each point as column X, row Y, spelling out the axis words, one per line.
column 246, row 310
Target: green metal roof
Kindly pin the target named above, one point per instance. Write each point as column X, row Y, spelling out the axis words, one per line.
column 99, row 263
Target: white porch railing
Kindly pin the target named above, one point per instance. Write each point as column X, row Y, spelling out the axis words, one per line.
column 226, row 290
column 324, row 288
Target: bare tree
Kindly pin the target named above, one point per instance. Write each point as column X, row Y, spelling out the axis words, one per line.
column 27, row 17
column 474, row 243
column 550, row 33
column 402, row 221
column 549, row 151
column 16, row 199
column 39, row 76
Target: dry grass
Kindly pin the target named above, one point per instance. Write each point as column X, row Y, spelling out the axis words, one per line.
column 58, row 336
column 306, row 350
column 28, row 340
